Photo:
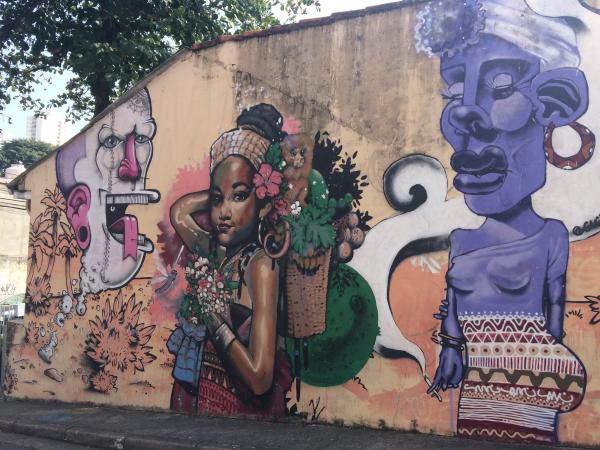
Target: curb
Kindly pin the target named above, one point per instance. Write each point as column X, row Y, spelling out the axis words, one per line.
column 98, row 439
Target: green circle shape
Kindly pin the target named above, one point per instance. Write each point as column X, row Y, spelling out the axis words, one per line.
column 339, row 353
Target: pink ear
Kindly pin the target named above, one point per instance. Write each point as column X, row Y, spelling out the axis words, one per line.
column 78, row 205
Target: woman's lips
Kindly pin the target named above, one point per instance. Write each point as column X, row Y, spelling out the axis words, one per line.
column 479, row 184
column 224, row 227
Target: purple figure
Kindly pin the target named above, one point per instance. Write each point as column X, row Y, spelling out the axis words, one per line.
column 511, row 74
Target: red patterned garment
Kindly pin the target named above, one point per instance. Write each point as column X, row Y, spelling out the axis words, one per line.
column 519, row 378
column 220, row 392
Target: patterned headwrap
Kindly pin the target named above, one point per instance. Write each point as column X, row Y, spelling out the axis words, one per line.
column 242, row 142
column 257, row 127
column 445, row 27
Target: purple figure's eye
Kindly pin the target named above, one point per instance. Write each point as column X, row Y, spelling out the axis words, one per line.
column 502, row 86
column 454, row 92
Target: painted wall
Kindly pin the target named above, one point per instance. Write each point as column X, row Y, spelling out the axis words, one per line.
column 277, row 226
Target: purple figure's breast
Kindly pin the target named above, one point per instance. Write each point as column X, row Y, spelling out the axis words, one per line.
column 504, row 278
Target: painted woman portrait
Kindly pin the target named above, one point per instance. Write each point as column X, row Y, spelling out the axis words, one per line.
column 512, row 78
column 229, row 359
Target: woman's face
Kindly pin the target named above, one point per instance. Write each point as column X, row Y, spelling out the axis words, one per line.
column 234, row 207
column 489, row 121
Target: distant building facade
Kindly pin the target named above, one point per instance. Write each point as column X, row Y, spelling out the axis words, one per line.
column 52, row 129
column 14, row 227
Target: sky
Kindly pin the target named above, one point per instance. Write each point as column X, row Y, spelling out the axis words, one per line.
column 18, row 117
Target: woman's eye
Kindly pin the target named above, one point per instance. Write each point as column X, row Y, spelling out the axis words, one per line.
column 240, row 196
column 111, row 141
column 141, row 139
column 215, row 199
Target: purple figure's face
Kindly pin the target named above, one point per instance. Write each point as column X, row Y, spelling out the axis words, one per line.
column 490, row 123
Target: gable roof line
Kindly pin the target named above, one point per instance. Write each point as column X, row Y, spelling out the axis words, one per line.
column 306, row 23
column 13, row 185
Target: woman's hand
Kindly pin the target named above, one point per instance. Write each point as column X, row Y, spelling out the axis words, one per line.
column 450, row 371
column 213, row 321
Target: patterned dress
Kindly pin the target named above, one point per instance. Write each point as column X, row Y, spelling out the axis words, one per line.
column 518, row 377
column 219, row 391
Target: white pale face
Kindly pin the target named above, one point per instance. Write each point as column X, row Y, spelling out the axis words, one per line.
column 118, row 153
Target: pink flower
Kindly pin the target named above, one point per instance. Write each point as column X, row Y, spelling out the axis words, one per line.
column 267, row 181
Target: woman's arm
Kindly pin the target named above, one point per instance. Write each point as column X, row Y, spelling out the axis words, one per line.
column 192, row 235
column 255, row 364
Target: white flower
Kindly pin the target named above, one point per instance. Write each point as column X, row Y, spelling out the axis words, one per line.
column 296, row 209
column 220, row 285
column 203, row 261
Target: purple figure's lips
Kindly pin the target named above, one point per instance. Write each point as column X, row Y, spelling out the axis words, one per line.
column 479, row 184
column 479, row 173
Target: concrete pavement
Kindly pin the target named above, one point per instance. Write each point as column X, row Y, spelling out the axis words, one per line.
column 101, row 427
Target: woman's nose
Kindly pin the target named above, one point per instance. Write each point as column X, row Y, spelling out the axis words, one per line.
column 225, row 211
column 470, row 120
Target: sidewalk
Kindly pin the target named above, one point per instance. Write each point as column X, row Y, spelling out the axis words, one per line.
column 103, row 427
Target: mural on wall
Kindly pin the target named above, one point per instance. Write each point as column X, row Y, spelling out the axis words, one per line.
column 101, row 173
column 84, row 227
column 512, row 79
column 271, row 290
column 267, row 242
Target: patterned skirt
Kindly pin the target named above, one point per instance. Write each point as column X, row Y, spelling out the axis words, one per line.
column 519, row 378
column 220, row 392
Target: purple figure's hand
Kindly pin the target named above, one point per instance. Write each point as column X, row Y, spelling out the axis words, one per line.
column 450, row 372
column 443, row 313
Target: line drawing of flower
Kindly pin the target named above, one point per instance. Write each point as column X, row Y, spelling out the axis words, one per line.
column 117, row 340
column 267, row 181
column 38, row 290
column 104, row 382
column 32, row 333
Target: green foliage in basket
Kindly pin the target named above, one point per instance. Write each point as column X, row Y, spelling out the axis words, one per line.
column 312, row 228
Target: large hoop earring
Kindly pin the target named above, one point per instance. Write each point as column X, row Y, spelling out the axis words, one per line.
column 268, row 243
column 585, row 153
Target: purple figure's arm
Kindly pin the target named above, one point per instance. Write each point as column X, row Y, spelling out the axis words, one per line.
column 556, row 307
column 556, row 279
column 451, row 369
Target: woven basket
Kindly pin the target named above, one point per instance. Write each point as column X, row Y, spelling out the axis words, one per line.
column 306, row 290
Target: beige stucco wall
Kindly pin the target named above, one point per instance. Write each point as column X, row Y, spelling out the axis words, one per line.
column 360, row 80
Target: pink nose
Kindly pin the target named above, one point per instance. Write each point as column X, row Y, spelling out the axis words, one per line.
column 129, row 169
